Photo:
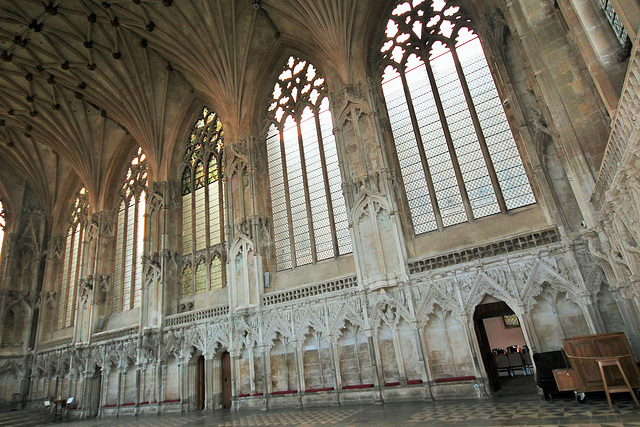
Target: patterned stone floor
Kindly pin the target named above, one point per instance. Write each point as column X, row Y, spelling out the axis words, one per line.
column 495, row 412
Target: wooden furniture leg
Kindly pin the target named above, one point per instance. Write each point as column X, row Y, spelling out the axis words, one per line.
column 615, row 389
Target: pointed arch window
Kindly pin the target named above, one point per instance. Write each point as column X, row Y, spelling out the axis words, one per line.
column 203, row 202
column 309, row 212
column 458, row 157
column 72, row 267
column 130, row 236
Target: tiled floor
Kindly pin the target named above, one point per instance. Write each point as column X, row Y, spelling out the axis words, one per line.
column 446, row 413
column 509, row 407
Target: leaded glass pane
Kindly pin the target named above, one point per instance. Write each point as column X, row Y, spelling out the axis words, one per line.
column 493, row 120
column 614, row 20
column 186, row 224
column 201, row 277
column 278, row 199
column 118, row 273
column 200, row 222
column 203, row 152
column 186, row 281
column 216, row 273
column 137, row 290
column 299, row 103
column 343, row 237
column 65, row 277
column 214, row 213
column 129, row 254
column 412, row 39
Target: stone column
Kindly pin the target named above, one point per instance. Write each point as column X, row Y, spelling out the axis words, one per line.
column 105, row 372
column 208, row 382
column 376, row 365
column 335, row 364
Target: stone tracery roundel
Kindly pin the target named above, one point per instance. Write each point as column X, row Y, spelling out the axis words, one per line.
column 300, row 85
column 419, row 26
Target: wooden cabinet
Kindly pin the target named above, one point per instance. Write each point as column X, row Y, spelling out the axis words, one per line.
column 583, row 353
column 565, row 379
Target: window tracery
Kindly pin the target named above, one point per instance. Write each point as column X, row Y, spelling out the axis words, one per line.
column 72, row 262
column 309, row 212
column 130, row 236
column 450, row 129
column 203, row 202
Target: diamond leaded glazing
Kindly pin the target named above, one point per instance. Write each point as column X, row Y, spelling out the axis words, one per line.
column 457, row 155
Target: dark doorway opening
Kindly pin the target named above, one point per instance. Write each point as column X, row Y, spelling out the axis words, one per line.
column 226, row 379
column 96, row 390
column 200, row 383
column 505, row 355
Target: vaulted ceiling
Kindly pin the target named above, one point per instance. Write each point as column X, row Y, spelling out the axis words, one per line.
column 78, row 76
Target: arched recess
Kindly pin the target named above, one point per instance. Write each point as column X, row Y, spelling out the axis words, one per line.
column 555, row 315
column 354, row 358
column 607, row 310
column 283, row 366
column 446, row 344
column 317, row 361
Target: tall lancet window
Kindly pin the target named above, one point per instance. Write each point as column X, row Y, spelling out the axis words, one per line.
column 309, row 213
column 127, row 275
column 72, row 267
column 457, row 155
column 203, row 206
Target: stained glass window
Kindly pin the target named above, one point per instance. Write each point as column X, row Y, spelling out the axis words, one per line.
column 457, row 155
column 202, row 201
column 130, row 236
column 72, row 267
column 309, row 212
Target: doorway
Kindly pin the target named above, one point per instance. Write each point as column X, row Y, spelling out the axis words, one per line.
column 505, row 354
column 200, row 383
column 96, row 389
column 226, row 379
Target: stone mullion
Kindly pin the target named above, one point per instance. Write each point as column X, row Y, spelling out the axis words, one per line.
column 287, row 197
column 252, row 371
column 447, row 135
column 424, row 348
column 479, row 133
column 448, row 341
column 335, row 364
column 327, row 188
column 355, row 343
column 320, row 363
column 402, row 375
column 423, row 154
column 307, row 196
